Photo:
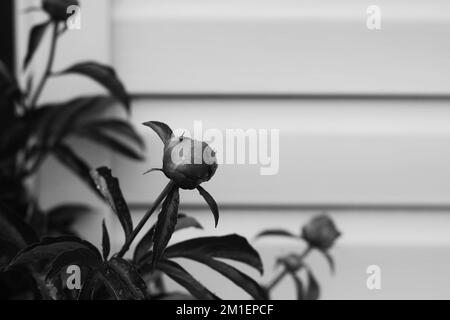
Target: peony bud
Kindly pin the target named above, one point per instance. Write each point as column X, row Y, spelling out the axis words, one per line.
column 58, row 9
column 320, row 232
column 188, row 162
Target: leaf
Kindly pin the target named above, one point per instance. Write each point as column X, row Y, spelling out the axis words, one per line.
column 152, row 170
column 104, row 75
column 276, row 232
column 36, row 34
column 237, row 277
column 14, row 230
column 165, row 225
column 67, row 157
column 161, row 129
column 106, row 246
column 298, row 286
column 144, row 245
column 329, row 259
column 111, row 142
column 64, row 216
column 122, row 280
column 182, row 277
column 110, row 189
column 233, row 247
column 185, row 222
column 313, row 291
column 90, row 284
column 48, row 249
column 79, row 256
column 211, row 203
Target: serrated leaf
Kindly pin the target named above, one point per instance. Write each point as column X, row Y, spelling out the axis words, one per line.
column 36, row 34
column 165, row 225
column 162, row 130
column 123, row 281
column 182, row 277
column 104, row 75
column 211, row 203
column 79, row 256
column 67, row 157
column 48, row 249
column 110, row 189
column 277, row 233
column 237, row 277
column 233, row 247
column 106, row 245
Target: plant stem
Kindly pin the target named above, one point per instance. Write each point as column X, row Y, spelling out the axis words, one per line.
column 283, row 273
column 48, row 67
column 147, row 215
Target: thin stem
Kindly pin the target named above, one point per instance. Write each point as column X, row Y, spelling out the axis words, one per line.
column 284, row 272
column 48, row 67
column 147, row 215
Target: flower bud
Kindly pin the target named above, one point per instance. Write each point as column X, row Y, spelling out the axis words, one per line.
column 320, row 232
column 58, row 9
column 291, row 262
column 188, row 162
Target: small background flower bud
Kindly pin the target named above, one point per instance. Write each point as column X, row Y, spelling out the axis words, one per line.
column 57, row 9
column 320, row 232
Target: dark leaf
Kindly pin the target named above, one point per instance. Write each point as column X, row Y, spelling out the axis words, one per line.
column 182, row 277
column 161, row 129
column 144, row 245
column 64, row 216
column 211, row 203
column 185, row 222
column 104, row 75
column 112, row 142
column 233, row 247
column 36, row 34
column 298, row 286
column 48, row 249
column 14, row 230
column 313, row 291
column 152, row 170
column 123, row 281
column 106, row 246
column 110, row 189
column 277, row 232
column 90, row 284
column 67, row 157
column 165, row 225
column 329, row 260
column 79, row 256
column 237, row 277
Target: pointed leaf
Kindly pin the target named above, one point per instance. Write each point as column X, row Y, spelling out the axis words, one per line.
column 313, row 291
column 233, row 247
column 182, row 277
column 298, row 286
column 36, row 34
column 48, row 249
column 79, row 256
column 104, row 75
column 161, row 129
column 123, row 281
column 277, row 232
column 67, row 157
column 211, row 203
column 106, row 246
column 237, row 277
column 185, row 222
column 144, row 245
column 165, row 225
column 329, row 259
column 110, row 189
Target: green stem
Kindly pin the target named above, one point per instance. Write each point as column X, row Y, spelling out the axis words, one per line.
column 284, row 272
column 147, row 215
column 48, row 67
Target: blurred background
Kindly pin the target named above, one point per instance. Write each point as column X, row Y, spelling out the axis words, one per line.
column 364, row 120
